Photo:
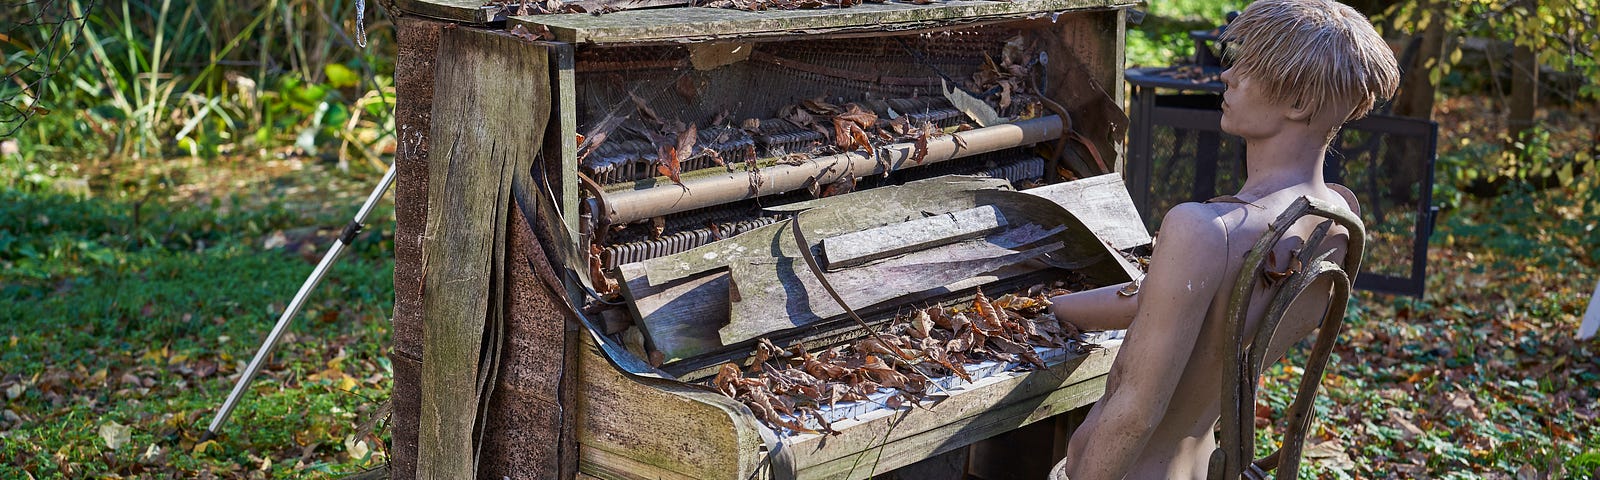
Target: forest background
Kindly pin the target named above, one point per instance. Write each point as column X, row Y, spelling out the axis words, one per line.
column 170, row 171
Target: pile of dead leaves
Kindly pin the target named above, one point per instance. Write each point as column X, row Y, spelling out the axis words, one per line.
column 786, row 389
column 854, row 128
column 1011, row 76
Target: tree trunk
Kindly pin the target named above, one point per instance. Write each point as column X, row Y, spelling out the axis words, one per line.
column 1524, row 91
column 1406, row 160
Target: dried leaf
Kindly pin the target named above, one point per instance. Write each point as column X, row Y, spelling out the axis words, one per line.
column 115, row 434
column 843, row 185
column 861, row 118
column 645, row 112
column 798, row 116
column 667, row 165
column 819, row 107
column 988, row 317
column 686, row 140
column 920, row 151
column 686, row 88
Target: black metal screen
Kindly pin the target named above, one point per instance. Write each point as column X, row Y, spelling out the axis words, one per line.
column 1178, row 153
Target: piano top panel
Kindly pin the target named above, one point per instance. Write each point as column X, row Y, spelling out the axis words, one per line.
column 692, row 24
column 464, row 11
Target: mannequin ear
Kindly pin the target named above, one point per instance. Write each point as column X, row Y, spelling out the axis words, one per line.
column 1300, row 111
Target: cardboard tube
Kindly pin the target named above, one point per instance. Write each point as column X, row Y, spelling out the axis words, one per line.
column 653, row 198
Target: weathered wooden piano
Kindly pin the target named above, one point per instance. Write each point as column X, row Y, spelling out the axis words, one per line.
column 601, row 206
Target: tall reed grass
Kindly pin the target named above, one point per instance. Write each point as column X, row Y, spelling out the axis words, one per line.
column 150, row 79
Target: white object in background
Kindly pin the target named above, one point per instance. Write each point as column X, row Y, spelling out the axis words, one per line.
column 1591, row 317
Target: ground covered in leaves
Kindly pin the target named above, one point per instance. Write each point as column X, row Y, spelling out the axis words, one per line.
column 125, row 319
column 1482, row 377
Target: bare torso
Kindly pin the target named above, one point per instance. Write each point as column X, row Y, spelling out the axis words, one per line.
column 1182, row 443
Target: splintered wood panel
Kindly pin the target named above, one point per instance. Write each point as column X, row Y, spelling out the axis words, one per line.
column 465, row 11
column 635, row 427
column 1103, row 204
column 498, row 95
column 700, row 23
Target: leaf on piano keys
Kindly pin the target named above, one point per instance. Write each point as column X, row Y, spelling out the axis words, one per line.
column 820, row 107
column 843, row 185
column 856, row 115
column 667, row 165
column 686, row 140
column 786, row 390
column 603, row 285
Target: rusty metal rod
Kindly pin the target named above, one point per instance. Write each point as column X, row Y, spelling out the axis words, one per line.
column 653, row 198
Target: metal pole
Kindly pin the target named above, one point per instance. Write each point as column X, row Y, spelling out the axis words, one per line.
column 345, row 237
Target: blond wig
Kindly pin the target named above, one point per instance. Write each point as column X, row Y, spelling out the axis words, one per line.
column 1313, row 54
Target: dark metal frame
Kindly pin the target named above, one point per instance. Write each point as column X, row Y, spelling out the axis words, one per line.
column 1199, row 111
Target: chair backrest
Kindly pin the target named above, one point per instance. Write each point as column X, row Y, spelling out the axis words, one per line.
column 1235, row 455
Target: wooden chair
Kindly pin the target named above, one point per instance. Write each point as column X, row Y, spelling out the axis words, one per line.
column 1235, row 453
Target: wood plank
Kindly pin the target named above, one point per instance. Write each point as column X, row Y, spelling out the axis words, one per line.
column 893, row 438
column 830, row 216
column 1085, row 72
column 1102, row 203
column 773, row 295
column 643, row 428
column 699, row 23
column 852, row 249
column 477, row 12
column 702, row 297
column 685, row 322
column 418, row 43
column 464, row 11
column 498, row 87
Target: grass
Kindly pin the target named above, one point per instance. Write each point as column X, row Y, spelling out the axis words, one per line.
column 114, row 322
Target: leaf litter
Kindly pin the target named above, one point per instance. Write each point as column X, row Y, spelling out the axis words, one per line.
column 791, row 388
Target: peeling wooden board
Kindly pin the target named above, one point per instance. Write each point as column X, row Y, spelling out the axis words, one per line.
column 1102, row 203
column 647, row 428
column 782, row 293
column 678, row 319
column 699, row 23
column 829, row 217
column 465, row 11
column 852, row 249
column 699, row 307
column 498, row 87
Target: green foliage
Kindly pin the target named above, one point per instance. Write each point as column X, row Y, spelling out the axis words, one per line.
column 1561, row 33
column 158, row 78
column 1562, row 36
column 1163, row 39
column 1585, row 466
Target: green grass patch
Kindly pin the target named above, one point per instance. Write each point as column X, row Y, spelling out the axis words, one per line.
column 141, row 325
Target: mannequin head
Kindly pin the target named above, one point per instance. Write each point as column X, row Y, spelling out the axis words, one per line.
column 1313, row 62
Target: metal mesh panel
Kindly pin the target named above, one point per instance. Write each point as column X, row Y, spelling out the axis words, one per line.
column 898, row 73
